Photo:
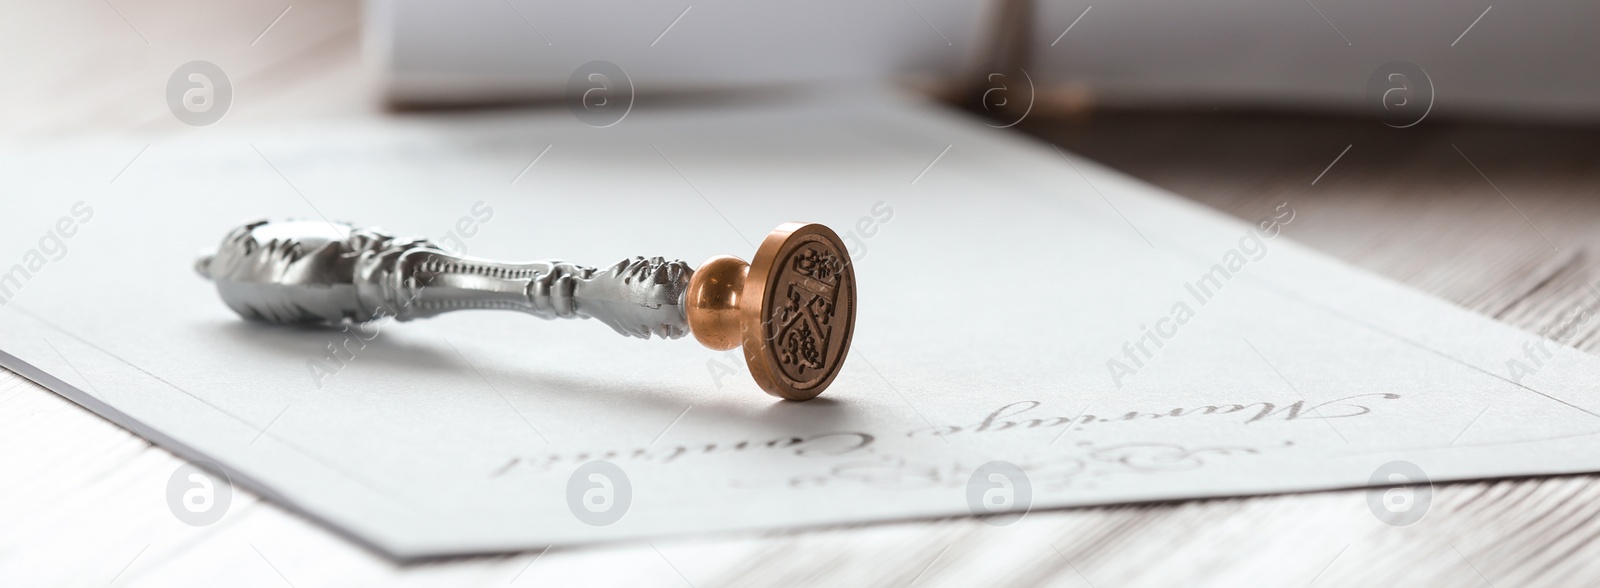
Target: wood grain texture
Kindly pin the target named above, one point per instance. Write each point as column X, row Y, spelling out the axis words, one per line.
column 84, row 500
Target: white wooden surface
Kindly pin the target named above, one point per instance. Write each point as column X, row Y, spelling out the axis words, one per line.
column 84, row 501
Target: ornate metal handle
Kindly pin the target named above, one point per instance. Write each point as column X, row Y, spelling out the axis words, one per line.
column 794, row 319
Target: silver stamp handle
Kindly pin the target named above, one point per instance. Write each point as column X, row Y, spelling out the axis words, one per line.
column 329, row 273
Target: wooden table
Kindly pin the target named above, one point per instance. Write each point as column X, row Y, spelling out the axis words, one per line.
column 1497, row 218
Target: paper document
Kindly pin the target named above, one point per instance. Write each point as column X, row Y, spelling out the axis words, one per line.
column 1111, row 341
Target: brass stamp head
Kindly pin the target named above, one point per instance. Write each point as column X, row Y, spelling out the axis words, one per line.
column 793, row 308
column 712, row 303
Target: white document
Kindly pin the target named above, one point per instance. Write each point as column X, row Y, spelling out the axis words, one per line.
column 1017, row 304
column 1502, row 60
column 496, row 50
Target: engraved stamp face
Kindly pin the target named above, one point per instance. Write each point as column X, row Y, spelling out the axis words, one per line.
column 804, row 331
column 808, row 314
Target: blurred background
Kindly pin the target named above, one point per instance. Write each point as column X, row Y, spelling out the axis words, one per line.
column 1532, row 61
